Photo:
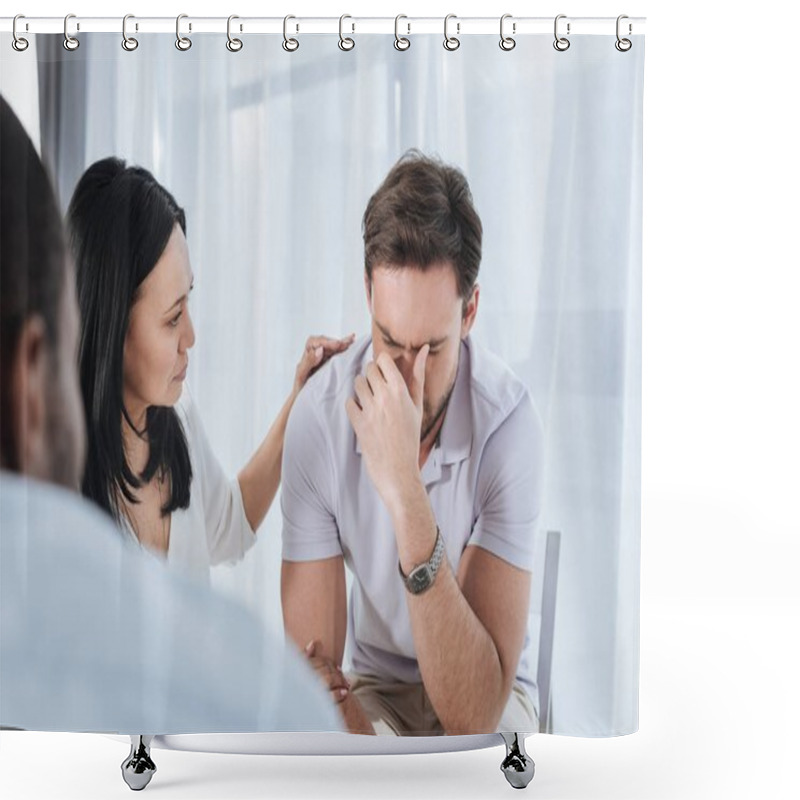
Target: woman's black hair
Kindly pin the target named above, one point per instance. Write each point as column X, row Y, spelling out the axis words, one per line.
column 119, row 222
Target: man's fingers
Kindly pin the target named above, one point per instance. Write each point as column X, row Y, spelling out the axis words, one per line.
column 363, row 391
column 374, row 377
column 354, row 413
column 389, row 371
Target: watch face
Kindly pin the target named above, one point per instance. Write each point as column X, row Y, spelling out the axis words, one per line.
column 419, row 579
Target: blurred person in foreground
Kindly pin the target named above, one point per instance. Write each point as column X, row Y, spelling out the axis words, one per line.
column 95, row 635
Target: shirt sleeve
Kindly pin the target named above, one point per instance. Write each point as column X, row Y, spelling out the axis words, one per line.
column 310, row 532
column 509, row 489
column 228, row 533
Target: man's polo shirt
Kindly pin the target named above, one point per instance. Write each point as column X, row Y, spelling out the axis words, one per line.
column 483, row 478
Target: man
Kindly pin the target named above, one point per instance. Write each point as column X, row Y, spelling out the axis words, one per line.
column 96, row 635
column 416, row 460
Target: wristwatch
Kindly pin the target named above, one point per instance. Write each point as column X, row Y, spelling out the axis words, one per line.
column 421, row 578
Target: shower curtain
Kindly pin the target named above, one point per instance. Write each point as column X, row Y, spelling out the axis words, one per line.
column 274, row 155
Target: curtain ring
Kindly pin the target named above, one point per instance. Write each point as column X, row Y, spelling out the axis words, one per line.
column 70, row 42
column 289, row 45
column 345, row 43
column 451, row 42
column 400, row 42
column 19, row 43
column 561, row 43
column 233, row 45
column 183, row 43
column 507, row 42
column 128, row 42
column 623, row 45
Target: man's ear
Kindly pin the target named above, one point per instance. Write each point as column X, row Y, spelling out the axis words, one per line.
column 29, row 397
column 470, row 311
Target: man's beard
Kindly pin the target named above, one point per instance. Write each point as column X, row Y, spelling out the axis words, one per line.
column 429, row 421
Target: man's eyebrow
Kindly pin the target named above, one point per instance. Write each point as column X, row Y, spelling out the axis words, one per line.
column 390, row 339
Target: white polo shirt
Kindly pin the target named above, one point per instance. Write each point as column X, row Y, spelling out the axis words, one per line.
column 483, row 478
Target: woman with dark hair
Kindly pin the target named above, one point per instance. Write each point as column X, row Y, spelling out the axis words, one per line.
column 149, row 463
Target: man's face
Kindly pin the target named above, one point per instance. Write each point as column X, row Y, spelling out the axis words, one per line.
column 65, row 426
column 411, row 308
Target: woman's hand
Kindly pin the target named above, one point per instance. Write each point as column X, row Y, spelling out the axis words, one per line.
column 330, row 674
column 317, row 351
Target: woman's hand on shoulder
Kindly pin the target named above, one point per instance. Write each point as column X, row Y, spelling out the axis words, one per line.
column 318, row 350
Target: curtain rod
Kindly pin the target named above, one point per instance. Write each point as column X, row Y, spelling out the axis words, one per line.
column 349, row 25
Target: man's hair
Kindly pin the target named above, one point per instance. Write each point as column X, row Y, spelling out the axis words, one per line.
column 422, row 214
column 119, row 221
column 32, row 260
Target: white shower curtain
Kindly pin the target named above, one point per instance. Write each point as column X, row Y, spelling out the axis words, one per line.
column 274, row 155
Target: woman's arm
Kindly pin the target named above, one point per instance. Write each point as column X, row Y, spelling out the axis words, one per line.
column 260, row 477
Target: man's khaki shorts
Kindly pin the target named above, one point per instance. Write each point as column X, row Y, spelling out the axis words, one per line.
column 404, row 709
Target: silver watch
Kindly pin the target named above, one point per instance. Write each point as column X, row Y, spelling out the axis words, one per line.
column 421, row 578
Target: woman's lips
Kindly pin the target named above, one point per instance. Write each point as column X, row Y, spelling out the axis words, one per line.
column 182, row 374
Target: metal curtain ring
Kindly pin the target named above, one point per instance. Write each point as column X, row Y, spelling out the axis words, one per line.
column 289, row 45
column 70, row 42
column 451, row 42
column 183, row 43
column 623, row 45
column 128, row 42
column 19, row 43
column 561, row 43
column 400, row 42
column 345, row 43
column 234, row 45
column 507, row 42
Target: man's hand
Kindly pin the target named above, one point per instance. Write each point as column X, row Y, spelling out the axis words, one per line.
column 386, row 416
column 328, row 671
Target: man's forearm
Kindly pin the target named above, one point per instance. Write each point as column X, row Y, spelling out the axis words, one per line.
column 458, row 659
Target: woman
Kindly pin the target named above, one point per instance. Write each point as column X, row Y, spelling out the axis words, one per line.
column 149, row 463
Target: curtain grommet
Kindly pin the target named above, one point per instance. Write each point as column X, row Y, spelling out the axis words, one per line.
column 19, row 43
column 289, row 44
column 183, row 43
column 451, row 43
column 561, row 43
column 234, row 45
column 128, row 42
column 623, row 45
column 401, row 42
column 507, row 43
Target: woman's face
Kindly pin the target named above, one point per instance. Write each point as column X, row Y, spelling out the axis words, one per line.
column 160, row 332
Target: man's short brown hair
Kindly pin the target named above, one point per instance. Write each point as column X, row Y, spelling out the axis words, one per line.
column 422, row 214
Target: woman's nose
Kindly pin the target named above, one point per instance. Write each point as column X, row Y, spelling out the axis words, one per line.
column 187, row 340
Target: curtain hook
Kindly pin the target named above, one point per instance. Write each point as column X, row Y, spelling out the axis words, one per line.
column 128, row 42
column 19, row 43
column 451, row 42
column 400, row 42
column 507, row 42
column 623, row 45
column 183, row 43
column 561, row 43
column 70, row 42
column 289, row 45
column 346, row 43
column 233, row 45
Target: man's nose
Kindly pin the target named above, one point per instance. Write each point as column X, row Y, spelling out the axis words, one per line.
column 405, row 363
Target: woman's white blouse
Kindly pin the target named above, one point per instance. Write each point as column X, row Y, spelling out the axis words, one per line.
column 214, row 528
